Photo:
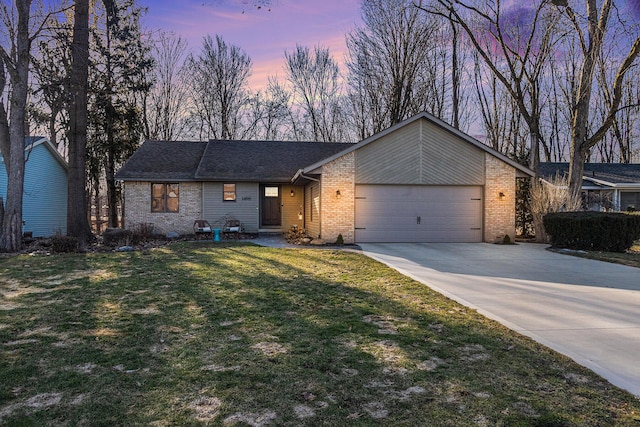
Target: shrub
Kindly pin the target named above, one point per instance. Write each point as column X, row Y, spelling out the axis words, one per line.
column 143, row 231
column 117, row 237
column 550, row 196
column 598, row 231
column 61, row 243
column 340, row 240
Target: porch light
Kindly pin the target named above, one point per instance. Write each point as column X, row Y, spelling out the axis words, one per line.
column 300, row 215
column 292, row 193
column 338, row 194
column 502, row 196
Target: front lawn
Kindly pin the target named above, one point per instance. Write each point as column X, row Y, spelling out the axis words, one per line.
column 235, row 334
column 630, row 258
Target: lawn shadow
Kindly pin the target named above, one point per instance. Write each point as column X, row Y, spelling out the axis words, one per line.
column 253, row 335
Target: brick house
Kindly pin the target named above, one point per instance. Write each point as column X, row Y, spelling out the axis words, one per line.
column 418, row 181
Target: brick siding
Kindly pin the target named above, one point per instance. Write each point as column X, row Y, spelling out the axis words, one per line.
column 137, row 210
column 499, row 215
column 338, row 213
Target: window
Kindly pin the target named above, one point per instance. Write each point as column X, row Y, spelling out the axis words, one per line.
column 630, row 201
column 165, row 197
column 270, row 191
column 229, row 193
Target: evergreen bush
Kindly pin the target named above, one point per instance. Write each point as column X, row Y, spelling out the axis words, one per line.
column 596, row 231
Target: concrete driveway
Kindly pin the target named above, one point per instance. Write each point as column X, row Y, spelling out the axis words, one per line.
column 587, row 310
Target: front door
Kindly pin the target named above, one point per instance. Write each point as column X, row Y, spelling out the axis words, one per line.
column 271, row 206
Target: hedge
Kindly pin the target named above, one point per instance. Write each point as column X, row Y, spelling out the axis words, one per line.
column 595, row 231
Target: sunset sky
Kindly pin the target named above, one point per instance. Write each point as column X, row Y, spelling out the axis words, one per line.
column 265, row 33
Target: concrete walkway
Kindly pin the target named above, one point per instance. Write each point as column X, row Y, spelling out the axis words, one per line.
column 588, row 310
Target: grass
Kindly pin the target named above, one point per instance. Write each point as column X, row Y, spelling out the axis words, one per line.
column 630, row 258
column 195, row 334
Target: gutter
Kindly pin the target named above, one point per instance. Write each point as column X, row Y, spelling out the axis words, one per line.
column 619, row 185
column 300, row 174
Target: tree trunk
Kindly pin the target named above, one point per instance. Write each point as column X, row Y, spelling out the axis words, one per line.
column 112, row 191
column 5, row 141
column 77, row 217
column 455, row 77
column 576, row 171
column 534, row 156
column 11, row 235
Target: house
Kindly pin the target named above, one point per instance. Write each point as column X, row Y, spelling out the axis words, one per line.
column 605, row 186
column 418, row 181
column 44, row 204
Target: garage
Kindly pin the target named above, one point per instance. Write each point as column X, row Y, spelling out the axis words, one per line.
column 418, row 213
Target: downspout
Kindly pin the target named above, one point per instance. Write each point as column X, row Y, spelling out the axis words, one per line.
column 202, row 200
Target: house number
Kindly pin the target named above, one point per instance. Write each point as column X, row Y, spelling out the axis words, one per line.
column 246, row 198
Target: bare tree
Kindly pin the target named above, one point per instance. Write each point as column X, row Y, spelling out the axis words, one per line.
column 499, row 116
column 217, row 80
column 51, row 66
column 12, row 130
column 592, row 40
column 617, row 144
column 77, row 212
column 165, row 105
column 515, row 44
column 389, row 61
column 314, row 78
column 526, row 55
column 273, row 109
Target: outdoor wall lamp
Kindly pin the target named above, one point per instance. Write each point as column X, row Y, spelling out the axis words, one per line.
column 502, row 196
column 338, row 194
column 300, row 215
column 292, row 193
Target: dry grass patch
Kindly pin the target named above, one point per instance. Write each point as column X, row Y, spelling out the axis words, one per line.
column 630, row 258
column 233, row 334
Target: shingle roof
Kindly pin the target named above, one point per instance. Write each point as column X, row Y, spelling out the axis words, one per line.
column 28, row 140
column 614, row 173
column 274, row 161
column 163, row 160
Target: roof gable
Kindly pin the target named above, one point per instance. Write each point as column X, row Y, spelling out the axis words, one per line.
column 314, row 168
column 33, row 142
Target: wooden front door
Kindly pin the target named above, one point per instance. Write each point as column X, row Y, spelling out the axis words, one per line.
column 271, row 216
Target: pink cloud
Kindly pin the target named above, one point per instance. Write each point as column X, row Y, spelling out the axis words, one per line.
column 264, row 35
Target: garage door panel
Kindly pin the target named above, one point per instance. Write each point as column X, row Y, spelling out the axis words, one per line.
column 389, row 213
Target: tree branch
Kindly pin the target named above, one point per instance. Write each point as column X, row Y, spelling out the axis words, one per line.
column 617, row 94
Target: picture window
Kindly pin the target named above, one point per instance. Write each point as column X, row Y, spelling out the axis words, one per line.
column 165, row 197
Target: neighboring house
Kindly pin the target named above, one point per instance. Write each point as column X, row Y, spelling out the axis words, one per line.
column 44, row 204
column 418, row 181
column 605, row 186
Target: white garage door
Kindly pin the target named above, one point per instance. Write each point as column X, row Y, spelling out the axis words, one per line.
column 398, row 213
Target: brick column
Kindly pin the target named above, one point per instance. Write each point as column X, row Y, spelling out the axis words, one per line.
column 338, row 211
column 499, row 211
